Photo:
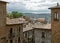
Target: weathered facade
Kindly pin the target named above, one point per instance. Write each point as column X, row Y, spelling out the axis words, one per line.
column 11, row 30
column 42, row 36
column 14, row 33
column 55, row 23
column 2, row 21
column 38, row 34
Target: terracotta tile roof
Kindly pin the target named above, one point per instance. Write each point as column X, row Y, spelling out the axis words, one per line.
column 42, row 26
column 40, row 19
column 37, row 26
column 28, row 27
column 14, row 21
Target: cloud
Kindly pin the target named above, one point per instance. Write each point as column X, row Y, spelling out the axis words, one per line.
column 30, row 5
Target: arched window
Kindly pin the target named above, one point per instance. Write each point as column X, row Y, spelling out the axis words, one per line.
column 56, row 16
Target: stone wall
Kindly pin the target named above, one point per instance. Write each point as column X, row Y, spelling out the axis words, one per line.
column 2, row 21
column 40, row 39
column 55, row 26
column 16, row 33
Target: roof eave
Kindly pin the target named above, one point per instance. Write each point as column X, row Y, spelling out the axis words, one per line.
column 4, row 1
column 54, row 8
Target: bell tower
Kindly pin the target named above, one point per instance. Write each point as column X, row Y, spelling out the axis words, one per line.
column 55, row 23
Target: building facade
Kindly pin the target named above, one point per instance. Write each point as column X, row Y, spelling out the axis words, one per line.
column 55, row 23
column 14, row 33
column 2, row 21
column 11, row 30
column 37, row 34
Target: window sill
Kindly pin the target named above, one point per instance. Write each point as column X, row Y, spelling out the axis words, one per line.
column 56, row 19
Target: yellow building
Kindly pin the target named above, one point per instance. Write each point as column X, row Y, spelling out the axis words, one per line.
column 55, row 23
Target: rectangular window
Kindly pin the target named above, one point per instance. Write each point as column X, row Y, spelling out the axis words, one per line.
column 19, row 29
column 43, row 35
column 11, row 30
column 56, row 16
column 25, row 34
column 11, row 41
column 18, row 39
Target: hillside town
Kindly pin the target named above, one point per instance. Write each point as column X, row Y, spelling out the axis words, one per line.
column 26, row 30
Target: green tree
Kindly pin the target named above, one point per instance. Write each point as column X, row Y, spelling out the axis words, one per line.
column 16, row 14
column 8, row 15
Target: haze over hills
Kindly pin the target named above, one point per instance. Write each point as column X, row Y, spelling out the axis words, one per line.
column 42, row 15
column 36, row 15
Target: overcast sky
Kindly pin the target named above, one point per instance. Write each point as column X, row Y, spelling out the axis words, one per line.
column 36, row 6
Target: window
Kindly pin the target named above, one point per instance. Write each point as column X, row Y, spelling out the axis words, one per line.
column 43, row 35
column 26, row 35
column 56, row 16
column 11, row 41
column 18, row 39
column 19, row 29
column 11, row 30
column 10, row 33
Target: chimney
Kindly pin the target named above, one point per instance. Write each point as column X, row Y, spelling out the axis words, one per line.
column 57, row 4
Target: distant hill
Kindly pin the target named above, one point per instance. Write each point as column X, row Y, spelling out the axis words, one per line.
column 42, row 15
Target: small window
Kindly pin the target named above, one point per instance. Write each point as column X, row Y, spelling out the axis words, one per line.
column 18, row 39
column 43, row 35
column 11, row 41
column 56, row 16
column 19, row 29
column 11, row 30
column 25, row 35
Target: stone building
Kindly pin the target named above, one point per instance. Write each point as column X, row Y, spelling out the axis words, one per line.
column 14, row 29
column 55, row 26
column 2, row 21
column 11, row 30
column 37, row 33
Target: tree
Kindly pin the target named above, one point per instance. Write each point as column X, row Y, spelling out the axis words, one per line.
column 16, row 14
column 8, row 15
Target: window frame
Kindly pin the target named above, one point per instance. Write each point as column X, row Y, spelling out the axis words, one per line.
column 56, row 16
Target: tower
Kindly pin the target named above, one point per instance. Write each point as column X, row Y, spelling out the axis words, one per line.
column 2, row 20
column 55, row 23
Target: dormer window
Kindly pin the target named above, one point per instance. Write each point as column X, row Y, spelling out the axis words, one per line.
column 56, row 16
